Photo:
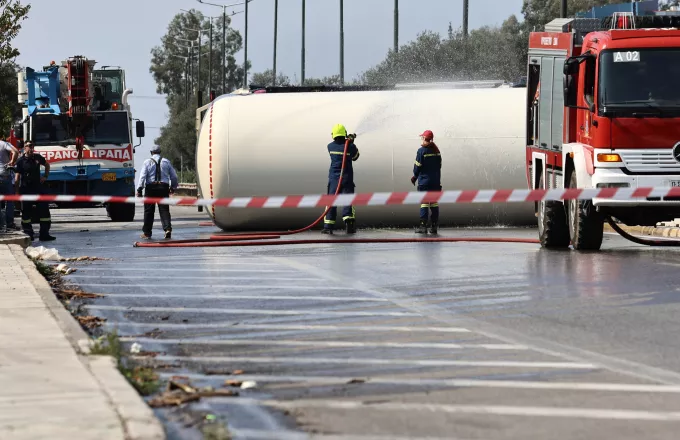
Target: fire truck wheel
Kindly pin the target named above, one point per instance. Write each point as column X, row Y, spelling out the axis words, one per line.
column 552, row 223
column 121, row 212
column 586, row 224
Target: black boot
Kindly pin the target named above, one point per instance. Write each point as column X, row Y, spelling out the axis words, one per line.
column 422, row 228
column 350, row 227
column 433, row 227
column 327, row 231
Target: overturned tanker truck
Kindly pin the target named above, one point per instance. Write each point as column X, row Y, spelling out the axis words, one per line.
column 272, row 142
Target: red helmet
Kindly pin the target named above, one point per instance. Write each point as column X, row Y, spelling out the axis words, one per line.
column 428, row 135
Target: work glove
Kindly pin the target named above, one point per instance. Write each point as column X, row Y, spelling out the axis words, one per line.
column 413, row 180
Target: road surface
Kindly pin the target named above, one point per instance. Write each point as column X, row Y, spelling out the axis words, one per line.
column 398, row 341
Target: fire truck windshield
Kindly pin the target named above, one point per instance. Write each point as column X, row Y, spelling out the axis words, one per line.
column 107, row 128
column 640, row 81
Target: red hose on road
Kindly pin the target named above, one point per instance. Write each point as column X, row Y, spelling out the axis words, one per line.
column 252, row 239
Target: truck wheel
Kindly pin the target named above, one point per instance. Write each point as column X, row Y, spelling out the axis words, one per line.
column 586, row 224
column 552, row 223
column 121, row 212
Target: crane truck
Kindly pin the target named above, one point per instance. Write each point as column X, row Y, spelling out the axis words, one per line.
column 603, row 111
column 80, row 120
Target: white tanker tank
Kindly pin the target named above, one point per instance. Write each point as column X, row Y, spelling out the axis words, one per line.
column 274, row 144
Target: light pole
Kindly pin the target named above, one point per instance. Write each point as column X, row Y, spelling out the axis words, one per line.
column 302, row 68
column 396, row 26
column 466, row 14
column 342, row 42
column 224, row 37
column 276, row 28
column 186, row 75
column 191, row 57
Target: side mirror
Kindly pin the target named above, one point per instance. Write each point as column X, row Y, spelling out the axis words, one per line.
column 570, row 95
column 140, row 129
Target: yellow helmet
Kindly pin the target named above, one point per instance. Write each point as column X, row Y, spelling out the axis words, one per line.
column 339, row 131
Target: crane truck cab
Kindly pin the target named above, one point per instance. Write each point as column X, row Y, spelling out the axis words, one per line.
column 603, row 111
column 80, row 120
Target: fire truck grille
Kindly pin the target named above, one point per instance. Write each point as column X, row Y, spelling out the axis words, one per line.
column 650, row 161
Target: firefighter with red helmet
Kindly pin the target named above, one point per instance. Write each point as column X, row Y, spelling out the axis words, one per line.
column 427, row 172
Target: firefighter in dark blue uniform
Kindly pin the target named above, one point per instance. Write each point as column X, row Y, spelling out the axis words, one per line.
column 427, row 171
column 336, row 150
column 29, row 182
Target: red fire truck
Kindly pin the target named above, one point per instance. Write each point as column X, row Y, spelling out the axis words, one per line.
column 603, row 111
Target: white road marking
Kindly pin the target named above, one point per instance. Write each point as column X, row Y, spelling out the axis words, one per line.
column 246, row 311
column 206, row 278
column 260, row 434
column 182, row 270
column 320, row 344
column 238, row 296
column 215, row 286
column 365, row 361
column 277, row 327
column 461, row 383
column 497, row 410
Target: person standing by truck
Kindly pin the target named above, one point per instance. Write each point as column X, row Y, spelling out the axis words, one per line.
column 8, row 158
column 28, row 181
column 427, row 172
column 160, row 180
column 336, row 150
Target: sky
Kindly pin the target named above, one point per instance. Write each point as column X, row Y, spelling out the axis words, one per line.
column 123, row 32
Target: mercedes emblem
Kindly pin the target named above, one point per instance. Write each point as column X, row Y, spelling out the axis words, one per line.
column 676, row 152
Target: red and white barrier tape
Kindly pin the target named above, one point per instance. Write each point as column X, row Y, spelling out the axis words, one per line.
column 376, row 199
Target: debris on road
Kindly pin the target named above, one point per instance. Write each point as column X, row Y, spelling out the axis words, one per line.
column 91, row 322
column 179, row 393
column 64, row 269
column 71, row 293
column 233, row 383
column 353, row 381
column 136, row 348
column 51, row 254
column 248, row 384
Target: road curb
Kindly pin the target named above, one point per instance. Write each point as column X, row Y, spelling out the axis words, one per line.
column 17, row 238
column 138, row 419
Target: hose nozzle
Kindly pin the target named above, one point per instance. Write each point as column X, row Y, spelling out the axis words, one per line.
column 352, row 136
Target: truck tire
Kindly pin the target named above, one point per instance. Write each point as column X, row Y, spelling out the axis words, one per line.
column 121, row 212
column 553, row 231
column 586, row 224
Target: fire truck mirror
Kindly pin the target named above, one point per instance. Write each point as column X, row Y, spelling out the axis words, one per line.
column 570, row 94
column 571, row 66
column 140, row 129
column 19, row 131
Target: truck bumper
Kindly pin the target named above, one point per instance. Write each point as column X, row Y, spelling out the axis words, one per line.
column 91, row 181
column 617, row 178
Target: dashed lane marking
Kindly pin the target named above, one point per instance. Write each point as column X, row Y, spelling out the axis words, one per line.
column 459, row 383
column 365, row 361
column 496, row 410
column 336, row 344
column 246, row 311
column 277, row 327
column 217, row 286
column 187, row 296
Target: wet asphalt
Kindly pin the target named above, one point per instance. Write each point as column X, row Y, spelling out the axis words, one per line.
column 396, row 341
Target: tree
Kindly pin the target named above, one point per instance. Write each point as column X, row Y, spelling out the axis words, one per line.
column 333, row 80
column 12, row 13
column 265, row 79
column 10, row 109
column 669, row 4
column 169, row 60
column 537, row 13
column 172, row 73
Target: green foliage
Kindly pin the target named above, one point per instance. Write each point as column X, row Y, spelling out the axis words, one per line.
column 46, row 271
column 326, row 81
column 145, row 380
column 10, row 109
column 12, row 13
column 537, row 13
column 265, row 79
column 178, row 136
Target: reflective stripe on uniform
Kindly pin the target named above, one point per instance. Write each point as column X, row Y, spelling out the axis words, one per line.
column 351, row 217
column 434, row 205
column 329, row 222
column 46, row 219
column 355, row 157
column 418, row 164
column 425, row 205
column 339, row 153
column 432, row 154
column 25, row 221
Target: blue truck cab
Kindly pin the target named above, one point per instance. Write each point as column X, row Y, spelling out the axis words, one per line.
column 80, row 120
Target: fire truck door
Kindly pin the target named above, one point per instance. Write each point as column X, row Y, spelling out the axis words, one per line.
column 545, row 103
column 557, row 122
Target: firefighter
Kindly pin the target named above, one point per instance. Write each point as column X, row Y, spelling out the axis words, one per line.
column 336, row 150
column 427, row 172
column 29, row 181
column 160, row 180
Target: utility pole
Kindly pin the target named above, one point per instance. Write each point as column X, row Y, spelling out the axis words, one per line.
column 210, row 57
column 245, row 54
column 564, row 9
column 191, row 61
column 198, row 85
column 302, row 68
column 396, row 26
column 276, row 28
column 224, row 48
column 342, row 42
column 466, row 13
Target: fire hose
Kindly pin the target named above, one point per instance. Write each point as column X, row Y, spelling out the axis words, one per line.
column 271, row 238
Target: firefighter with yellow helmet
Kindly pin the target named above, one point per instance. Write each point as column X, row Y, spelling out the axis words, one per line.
column 336, row 149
